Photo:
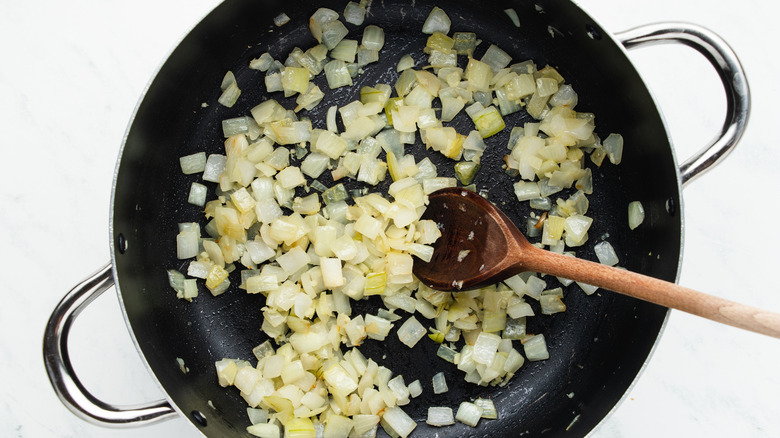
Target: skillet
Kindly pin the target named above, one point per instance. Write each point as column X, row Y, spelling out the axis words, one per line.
column 597, row 346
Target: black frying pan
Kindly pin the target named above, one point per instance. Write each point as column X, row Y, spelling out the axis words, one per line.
column 597, row 346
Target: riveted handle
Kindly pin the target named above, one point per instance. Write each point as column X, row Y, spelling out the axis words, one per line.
column 62, row 376
column 728, row 67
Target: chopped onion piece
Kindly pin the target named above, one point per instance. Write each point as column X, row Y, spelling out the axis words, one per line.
column 191, row 164
column 613, row 145
column 551, row 304
column 496, row 58
column 345, row 50
column 366, row 56
column 536, row 348
column 440, row 416
column 488, row 408
column 373, row 37
column 636, row 214
column 513, row 16
column 485, row 347
column 331, row 272
column 437, row 21
column 415, row 389
column 187, row 244
column 406, row 62
column 469, row 413
column 606, row 253
column 264, row 430
column 299, row 428
column 263, row 63
column 525, row 190
column 488, row 122
column 281, row 20
column 332, row 33
column 397, row 423
column 354, row 13
column 337, row 74
column 411, row 332
column 295, row 79
column 464, row 43
column 230, row 95
column 439, row 383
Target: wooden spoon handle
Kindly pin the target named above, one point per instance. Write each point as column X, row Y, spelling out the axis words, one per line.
column 654, row 290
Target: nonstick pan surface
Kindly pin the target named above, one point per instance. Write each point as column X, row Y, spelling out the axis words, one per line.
column 597, row 346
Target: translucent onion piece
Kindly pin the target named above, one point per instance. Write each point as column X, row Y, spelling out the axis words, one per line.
column 332, row 33
column 437, row 21
column 469, row 413
column 397, row 423
column 373, row 37
column 439, row 384
column 496, row 58
column 406, row 62
column 464, row 43
column 281, row 19
column 263, row 63
column 606, row 253
column 264, row 430
column 345, row 50
column 337, row 74
column 440, row 416
column 191, row 164
column 636, row 214
column 230, row 95
column 415, row 389
column 488, row 408
column 354, row 13
column 513, row 16
column 215, row 166
column 536, row 348
column 613, row 145
column 411, row 331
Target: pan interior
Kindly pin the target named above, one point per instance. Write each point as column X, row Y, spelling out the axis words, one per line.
column 597, row 346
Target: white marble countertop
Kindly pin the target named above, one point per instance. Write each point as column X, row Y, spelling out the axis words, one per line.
column 72, row 72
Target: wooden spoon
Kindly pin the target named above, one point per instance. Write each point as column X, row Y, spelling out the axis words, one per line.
column 480, row 246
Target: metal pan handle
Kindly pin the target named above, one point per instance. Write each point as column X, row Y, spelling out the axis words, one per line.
column 725, row 62
column 58, row 366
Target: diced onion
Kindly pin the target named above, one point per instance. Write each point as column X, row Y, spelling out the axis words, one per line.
column 606, row 253
column 485, row 347
column 440, row 416
column 337, row 74
column 281, row 19
column 636, row 214
column 613, row 145
column 415, row 389
column 469, row 413
column 411, row 332
column 345, row 50
column 354, row 13
column 373, row 37
column 536, row 348
column 488, row 408
column 406, row 62
column 496, row 58
column 437, row 21
column 195, row 163
column 263, row 63
column 264, row 430
column 513, row 16
column 332, row 33
column 397, row 423
column 439, row 383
